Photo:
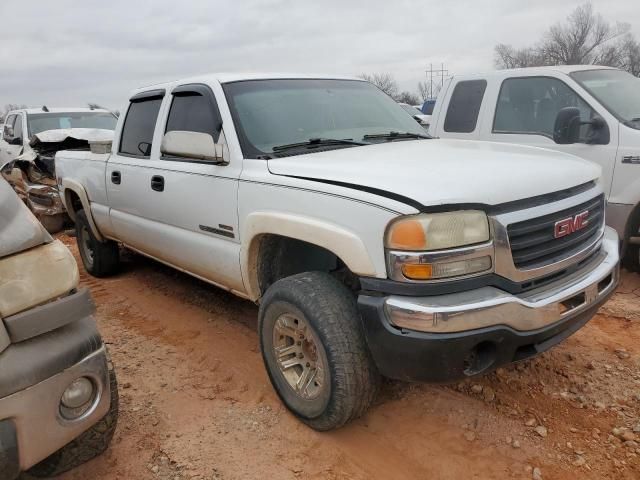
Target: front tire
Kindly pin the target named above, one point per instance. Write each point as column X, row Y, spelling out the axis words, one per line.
column 87, row 446
column 631, row 258
column 313, row 346
column 100, row 259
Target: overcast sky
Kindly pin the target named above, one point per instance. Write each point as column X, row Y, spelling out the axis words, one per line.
column 68, row 53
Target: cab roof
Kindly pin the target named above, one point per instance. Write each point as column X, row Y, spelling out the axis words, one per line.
column 229, row 77
column 39, row 110
column 530, row 71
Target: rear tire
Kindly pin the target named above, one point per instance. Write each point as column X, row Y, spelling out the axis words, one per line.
column 309, row 322
column 100, row 259
column 87, row 446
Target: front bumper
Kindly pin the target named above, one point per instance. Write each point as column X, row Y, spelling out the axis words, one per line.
column 52, row 346
column 447, row 337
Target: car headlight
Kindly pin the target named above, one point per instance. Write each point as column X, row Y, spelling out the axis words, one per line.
column 437, row 231
column 439, row 245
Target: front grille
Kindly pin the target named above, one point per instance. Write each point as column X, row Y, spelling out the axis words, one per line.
column 533, row 242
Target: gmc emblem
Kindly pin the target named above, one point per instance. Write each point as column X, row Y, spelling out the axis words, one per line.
column 569, row 225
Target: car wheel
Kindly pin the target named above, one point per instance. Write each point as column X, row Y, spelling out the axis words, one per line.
column 87, row 446
column 631, row 258
column 313, row 346
column 100, row 259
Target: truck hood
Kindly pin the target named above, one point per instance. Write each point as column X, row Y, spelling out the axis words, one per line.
column 442, row 172
column 19, row 229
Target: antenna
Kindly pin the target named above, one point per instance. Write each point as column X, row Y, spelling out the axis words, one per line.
column 44, row 108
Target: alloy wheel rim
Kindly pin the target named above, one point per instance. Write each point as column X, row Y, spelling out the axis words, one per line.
column 296, row 352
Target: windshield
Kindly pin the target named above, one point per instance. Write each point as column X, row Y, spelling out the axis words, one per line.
column 40, row 122
column 271, row 113
column 618, row 91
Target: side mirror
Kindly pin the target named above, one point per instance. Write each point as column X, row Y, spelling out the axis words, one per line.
column 196, row 145
column 566, row 128
column 15, row 141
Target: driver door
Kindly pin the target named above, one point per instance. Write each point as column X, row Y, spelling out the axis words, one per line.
column 12, row 139
column 526, row 111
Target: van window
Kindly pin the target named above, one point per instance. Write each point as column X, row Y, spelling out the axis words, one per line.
column 137, row 132
column 9, row 124
column 464, row 106
column 193, row 112
column 17, row 128
column 530, row 105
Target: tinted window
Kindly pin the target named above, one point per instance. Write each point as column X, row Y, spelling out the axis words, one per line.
column 193, row 112
column 137, row 132
column 464, row 106
column 530, row 105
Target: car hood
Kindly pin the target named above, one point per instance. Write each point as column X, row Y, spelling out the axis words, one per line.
column 442, row 172
column 19, row 229
column 61, row 134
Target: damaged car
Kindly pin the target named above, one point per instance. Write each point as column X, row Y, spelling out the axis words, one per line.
column 30, row 140
column 58, row 389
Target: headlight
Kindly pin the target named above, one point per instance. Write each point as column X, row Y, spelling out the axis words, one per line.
column 437, row 231
column 439, row 245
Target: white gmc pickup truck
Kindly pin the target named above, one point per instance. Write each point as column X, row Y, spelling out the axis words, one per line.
column 370, row 248
column 585, row 110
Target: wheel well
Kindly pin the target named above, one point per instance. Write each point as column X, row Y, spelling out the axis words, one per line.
column 280, row 257
column 74, row 204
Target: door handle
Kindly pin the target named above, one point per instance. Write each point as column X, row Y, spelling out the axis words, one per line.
column 157, row 183
column 116, row 177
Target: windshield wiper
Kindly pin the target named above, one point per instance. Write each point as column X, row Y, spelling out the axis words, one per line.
column 317, row 142
column 395, row 135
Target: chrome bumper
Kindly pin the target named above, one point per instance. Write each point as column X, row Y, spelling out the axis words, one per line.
column 35, row 411
column 490, row 306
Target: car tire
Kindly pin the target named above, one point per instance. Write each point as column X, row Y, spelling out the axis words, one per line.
column 87, row 446
column 100, row 259
column 308, row 322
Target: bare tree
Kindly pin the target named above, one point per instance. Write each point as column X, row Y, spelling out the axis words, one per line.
column 581, row 39
column 423, row 90
column 584, row 38
column 407, row 97
column 384, row 81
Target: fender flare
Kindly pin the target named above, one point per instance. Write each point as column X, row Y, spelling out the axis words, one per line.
column 68, row 186
column 343, row 243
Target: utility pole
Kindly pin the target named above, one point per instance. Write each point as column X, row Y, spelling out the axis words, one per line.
column 433, row 75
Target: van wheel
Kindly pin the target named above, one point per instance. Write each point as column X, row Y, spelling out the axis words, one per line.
column 313, row 346
column 87, row 446
column 100, row 259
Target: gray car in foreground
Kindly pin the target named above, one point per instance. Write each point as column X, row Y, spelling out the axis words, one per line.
column 58, row 392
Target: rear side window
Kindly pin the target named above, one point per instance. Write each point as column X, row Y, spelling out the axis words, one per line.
column 464, row 106
column 194, row 112
column 137, row 132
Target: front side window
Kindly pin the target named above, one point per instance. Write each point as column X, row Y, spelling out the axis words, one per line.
column 40, row 122
column 193, row 112
column 530, row 106
column 9, row 125
column 276, row 113
column 464, row 106
column 618, row 91
column 139, row 125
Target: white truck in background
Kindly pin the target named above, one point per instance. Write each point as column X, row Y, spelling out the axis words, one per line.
column 589, row 111
column 370, row 247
